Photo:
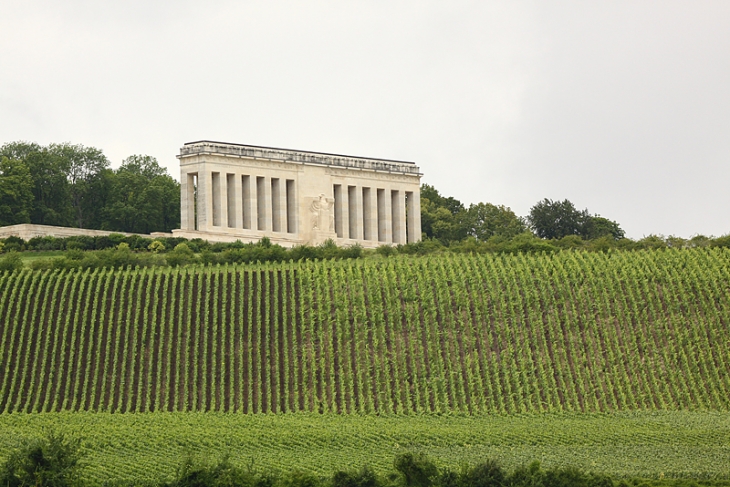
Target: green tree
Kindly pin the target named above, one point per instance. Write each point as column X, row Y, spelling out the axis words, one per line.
column 84, row 168
column 556, row 219
column 487, row 220
column 16, row 192
column 442, row 218
column 596, row 227
column 143, row 198
column 51, row 197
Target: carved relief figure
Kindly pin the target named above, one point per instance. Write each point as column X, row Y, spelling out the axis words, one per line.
column 323, row 216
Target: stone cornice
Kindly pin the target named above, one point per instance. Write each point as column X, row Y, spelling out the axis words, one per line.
column 297, row 157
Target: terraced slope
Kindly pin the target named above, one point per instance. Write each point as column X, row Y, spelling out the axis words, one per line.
column 578, row 332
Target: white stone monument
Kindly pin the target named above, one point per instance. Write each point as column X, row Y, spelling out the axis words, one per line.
column 235, row 192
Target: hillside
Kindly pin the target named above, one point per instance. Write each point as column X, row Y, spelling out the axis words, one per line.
column 572, row 331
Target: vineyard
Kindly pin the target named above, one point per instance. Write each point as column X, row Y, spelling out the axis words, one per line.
column 565, row 332
column 135, row 448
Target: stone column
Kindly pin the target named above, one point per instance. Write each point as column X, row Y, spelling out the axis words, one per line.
column 263, row 197
column 275, row 208
column 399, row 217
column 183, row 200
column 238, row 200
column 192, row 202
column 354, row 194
column 370, row 211
column 283, row 210
column 342, row 211
column 292, row 203
column 385, row 225
column 278, row 205
column 187, row 201
column 222, row 200
column 414, row 216
column 205, row 201
column 248, row 194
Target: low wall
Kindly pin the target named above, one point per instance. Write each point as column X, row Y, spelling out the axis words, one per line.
column 26, row 231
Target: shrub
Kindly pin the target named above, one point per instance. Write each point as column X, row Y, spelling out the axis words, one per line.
column 46, row 243
column 180, row 255
column 52, row 461
column 487, row 474
column 156, row 246
column 11, row 262
column 222, row 474
column 416, row 470
column 723, row 241
column 363, row 478
column 385, row 250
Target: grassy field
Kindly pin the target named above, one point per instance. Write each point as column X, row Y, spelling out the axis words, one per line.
column 29, row 257
column 151, row 445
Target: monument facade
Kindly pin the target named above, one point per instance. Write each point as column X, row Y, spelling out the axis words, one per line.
column 241, row 192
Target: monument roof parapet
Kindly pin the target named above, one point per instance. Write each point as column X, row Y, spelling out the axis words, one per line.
column 297, row 157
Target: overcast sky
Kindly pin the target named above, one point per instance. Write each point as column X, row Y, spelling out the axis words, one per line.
column 622, row 107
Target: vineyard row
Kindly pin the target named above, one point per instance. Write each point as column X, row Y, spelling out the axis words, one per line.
column 474, row 334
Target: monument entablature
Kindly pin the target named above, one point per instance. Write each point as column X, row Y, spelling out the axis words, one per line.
column 241, row 192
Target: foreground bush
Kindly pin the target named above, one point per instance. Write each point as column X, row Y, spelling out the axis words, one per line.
column 52, row 461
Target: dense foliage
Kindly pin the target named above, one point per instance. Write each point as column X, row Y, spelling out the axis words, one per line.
column 570, row 331
column 50, row 462
column 448, row 221
column 72, row 185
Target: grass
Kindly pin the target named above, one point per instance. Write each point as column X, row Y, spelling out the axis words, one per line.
column 28, row 257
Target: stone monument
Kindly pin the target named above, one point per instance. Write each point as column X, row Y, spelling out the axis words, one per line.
column 241, row 192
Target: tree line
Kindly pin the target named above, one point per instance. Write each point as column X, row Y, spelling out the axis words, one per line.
column 71, row 185
column 448, row 220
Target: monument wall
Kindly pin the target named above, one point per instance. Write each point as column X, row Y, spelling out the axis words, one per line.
column 235, row 192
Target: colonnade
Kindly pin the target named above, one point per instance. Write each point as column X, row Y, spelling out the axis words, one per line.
column 381, row 215
column 235, row 192
column 215, row 201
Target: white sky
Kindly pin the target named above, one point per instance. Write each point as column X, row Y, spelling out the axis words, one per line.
column 623, row 107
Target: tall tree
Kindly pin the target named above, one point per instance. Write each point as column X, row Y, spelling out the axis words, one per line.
column 144, row 198
column 442, row 218
column 51, row 198
column 84, row 169
column 487, row 220
column 597, row 227
column 16, row 192
column 556, row 219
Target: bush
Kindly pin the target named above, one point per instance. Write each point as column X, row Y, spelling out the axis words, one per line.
column 52, row 461
column 156, row 246
column 222, row 474
column 723, row 241
column 416, row 470
column 487, row 474
column 297, row 478
column 46, row 243
column 526, row 242
column 11, row 262
column 386, row 250
column 180, row 255
column 363, row 478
